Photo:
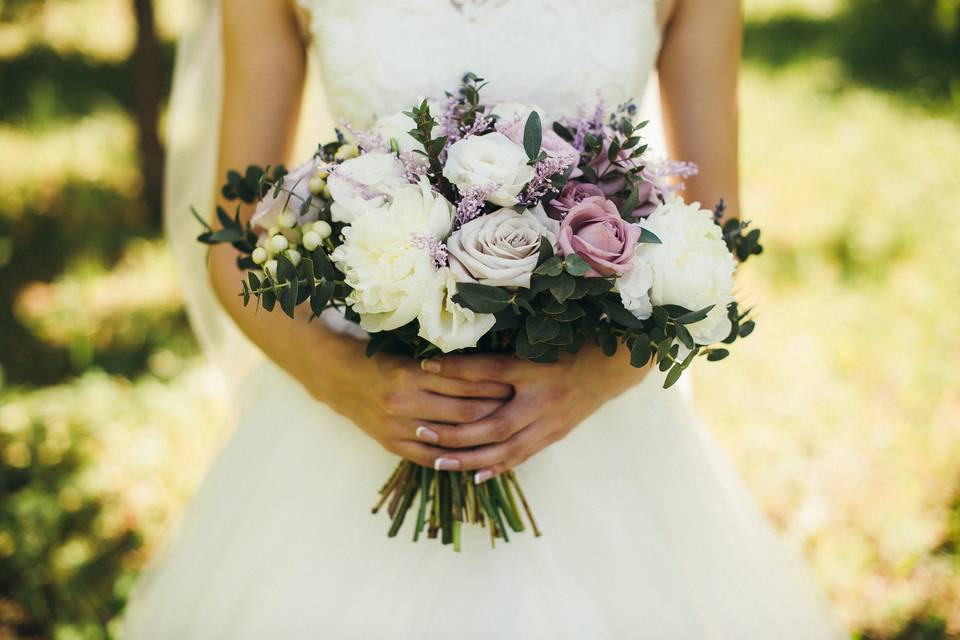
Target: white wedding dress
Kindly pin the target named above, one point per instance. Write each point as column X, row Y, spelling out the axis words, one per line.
column 648, row 532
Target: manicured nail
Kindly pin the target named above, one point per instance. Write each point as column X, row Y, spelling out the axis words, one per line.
column 427, row 435
column 430, row 366
column 482, row 476
column 446, row 464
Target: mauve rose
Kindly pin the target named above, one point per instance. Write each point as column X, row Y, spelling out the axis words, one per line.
column 612, row 179
column 573, row 194
column 551, row 143
column 647, row 200
column 595, row 231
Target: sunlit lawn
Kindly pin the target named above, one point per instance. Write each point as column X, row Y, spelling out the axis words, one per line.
column 842, row 411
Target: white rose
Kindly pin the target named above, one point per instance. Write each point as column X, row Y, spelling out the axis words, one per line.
column 692, row 267
column 634, row 287
column 445, row 323
column 389, row 275
column 484, row 161
column 500, row 249
column 397, row 127
column 361, row 184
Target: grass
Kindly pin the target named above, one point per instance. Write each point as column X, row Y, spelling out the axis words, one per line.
column 850, row 438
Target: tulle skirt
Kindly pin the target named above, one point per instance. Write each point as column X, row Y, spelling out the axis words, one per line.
column 647, row 533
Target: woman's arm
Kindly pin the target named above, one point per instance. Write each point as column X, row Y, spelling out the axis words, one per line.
column 389, row 398
column 698, row 68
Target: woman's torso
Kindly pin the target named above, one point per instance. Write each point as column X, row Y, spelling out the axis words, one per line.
column 378, row 56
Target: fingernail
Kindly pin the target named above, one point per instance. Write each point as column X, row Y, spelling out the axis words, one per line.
column 426, row 434
column 446, row 464
column 482, row 476
column 430, row 366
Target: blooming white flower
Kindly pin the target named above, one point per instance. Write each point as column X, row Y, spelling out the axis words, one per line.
column 500, row 249
column 445, row 323
column 389, row 275
column 692, row 267
column 634, row 287
column 484, row 161
column 361, row 184
column 397, row 127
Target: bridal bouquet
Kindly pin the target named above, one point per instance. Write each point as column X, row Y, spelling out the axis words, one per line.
column 480, row 227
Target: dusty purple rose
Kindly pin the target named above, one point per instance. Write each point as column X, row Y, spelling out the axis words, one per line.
column 595, row 231
column 647, row 201
column 573, row 194
column 551, row 144
column 297, row 182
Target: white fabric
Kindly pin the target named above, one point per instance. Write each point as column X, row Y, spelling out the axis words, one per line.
column 648, row 533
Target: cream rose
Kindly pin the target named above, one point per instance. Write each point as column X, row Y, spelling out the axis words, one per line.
column 486, row 161
column 361, row 184
column 397, row 127
column 500, row 249
column 444, row 322
column 692, row 267
column 389, row 274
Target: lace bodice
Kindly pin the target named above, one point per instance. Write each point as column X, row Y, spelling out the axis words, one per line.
column 377, row 56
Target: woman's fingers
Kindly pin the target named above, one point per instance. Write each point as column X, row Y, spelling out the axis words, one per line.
column 464, row 389
column 519, row 447
column 422, row 454
column 499, row 426
column 430, row 407
column 473, row 368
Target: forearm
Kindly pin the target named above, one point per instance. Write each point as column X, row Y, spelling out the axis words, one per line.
column 319, row 357
column 698, row 69
column 261, row 104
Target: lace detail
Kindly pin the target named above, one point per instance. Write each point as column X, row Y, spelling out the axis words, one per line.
column 376, row 56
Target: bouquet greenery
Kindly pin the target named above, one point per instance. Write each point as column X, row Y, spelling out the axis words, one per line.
column 469, row 226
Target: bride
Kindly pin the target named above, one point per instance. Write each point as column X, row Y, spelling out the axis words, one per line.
column 648, row 531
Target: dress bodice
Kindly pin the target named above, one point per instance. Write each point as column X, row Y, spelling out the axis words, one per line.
column 378, row 56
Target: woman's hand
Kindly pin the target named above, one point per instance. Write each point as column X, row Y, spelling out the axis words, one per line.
column 400, row 405
column 549, row 401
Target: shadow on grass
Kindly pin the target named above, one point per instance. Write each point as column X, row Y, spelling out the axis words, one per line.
column 910, row 48
column 81, row 221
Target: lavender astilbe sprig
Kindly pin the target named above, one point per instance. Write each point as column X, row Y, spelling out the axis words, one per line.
column 668, row 175
column 473, row 200
column 540, row 184
column 415, row 166
column 367, row 140
column 436, row 248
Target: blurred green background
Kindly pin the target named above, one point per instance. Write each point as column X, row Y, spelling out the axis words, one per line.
column 843, row 412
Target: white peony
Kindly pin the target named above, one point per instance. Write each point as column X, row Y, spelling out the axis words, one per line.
column 388, row 273
column 444, row 322
column 634, row 287
column 361, row 184
column 692, row 267
column 500, row 249
column 485, row 161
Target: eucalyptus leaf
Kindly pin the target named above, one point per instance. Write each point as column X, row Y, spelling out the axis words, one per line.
column 552, row 267
column 575, row 265
column 648, row 237
column 532, row 135
column 482, row 298
column 695, row 316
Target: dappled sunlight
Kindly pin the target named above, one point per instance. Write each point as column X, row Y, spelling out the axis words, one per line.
column 842, row 411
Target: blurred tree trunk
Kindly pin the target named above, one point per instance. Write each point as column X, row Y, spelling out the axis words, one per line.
column 147, row 95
